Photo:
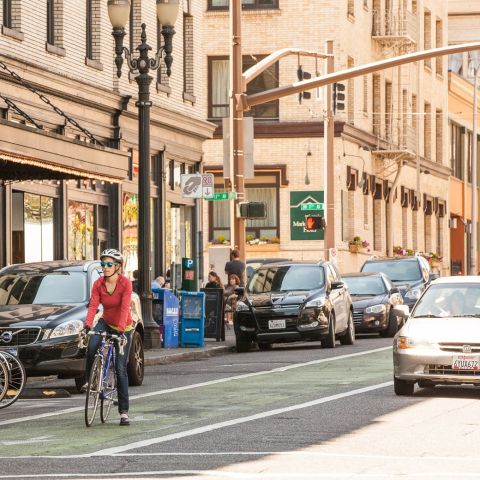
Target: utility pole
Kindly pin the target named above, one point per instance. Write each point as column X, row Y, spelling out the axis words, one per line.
column 329, row 165
column 236, row 124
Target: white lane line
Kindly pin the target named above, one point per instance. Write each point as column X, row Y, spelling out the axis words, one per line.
column 249, row 475
column 199, row 385
column 237, row 421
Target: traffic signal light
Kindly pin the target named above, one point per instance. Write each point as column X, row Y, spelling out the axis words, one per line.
column 338, row 97
column 252, row 210
column 301, row 75
column 314, row 222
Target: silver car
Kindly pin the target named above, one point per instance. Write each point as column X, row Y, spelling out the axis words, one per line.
column 440, row 342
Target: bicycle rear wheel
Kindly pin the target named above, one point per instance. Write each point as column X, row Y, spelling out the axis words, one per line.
column 109, row 392
column 93, row 391
column 3, row 379
column 16, row 378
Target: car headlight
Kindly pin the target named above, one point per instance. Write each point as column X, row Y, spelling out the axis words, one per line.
column 72, row 327
column 242, row 306
column 408, row 342
column 316, row 303
column 414, row 293
column 380, row 308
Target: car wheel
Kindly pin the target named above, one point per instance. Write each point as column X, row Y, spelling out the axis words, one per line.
column 136, row 363
column 402, row 387
column 264, row 346
column 348, row 338
column 79, row 383
column 243, row 343
column 392, row 327
column 329, row 341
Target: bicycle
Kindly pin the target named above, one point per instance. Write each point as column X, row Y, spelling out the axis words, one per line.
column 12, row 378
column 102, row 384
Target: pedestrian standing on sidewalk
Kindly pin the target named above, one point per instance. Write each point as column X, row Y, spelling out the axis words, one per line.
column 230, row 298
column 114, row 291
column 236, row 267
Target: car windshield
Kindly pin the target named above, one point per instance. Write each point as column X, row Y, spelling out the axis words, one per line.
column 397, row 271
column 365, row 285
column 32, row 288
column 454, row 300
column 286, row 278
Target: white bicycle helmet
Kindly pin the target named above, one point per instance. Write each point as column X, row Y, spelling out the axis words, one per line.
column 112, row 253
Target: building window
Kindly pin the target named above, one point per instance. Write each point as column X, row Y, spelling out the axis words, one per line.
column 188, row 55
column 246, row 4
column 7, row 13
column 427, row 36
column 162, row 77
column 388, row 110
column 55, row 24
column 427, row 131
column 351, row 8
column 439, row 136
column 219, row 88
column 93, row 30
column 134, row 24
column 32, row 228
column 438, row 44
column 351, row 94
column 50, row 22
column 81, row 231
column 457, row 150
column 365, row 94
column 377, row 105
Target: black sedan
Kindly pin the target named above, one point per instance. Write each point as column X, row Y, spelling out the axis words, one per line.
column 291, row 302
column 374, row 296
column 42, row 310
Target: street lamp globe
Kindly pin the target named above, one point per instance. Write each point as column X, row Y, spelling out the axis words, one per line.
column 119, row 12
column 167, row 11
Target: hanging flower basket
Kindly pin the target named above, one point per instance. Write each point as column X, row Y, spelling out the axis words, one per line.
column 354, row 248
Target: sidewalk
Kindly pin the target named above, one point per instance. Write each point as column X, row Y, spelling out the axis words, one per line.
column 162, row 356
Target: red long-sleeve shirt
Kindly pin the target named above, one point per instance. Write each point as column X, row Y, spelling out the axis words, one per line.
column 116, row 306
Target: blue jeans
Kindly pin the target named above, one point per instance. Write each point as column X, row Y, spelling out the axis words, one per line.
column 120, row 362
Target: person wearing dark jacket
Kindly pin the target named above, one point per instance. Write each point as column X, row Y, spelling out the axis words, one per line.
column 213, row 281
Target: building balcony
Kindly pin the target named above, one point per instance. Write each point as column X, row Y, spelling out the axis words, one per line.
column 390, row 29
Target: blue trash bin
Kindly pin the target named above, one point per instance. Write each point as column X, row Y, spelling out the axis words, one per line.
column 192, row 319
column 166, row 310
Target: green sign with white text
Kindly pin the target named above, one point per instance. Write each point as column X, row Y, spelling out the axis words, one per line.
column 302, row 205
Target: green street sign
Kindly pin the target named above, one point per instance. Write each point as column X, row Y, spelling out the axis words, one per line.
column 313, row 206
column 302, row 204
column 223, row 196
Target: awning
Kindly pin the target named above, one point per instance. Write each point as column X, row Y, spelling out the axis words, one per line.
column 30, row 154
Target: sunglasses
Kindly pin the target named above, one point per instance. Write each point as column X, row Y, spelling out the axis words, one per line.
column 108, row 264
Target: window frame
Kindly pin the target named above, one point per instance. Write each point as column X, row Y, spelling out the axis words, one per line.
column 51, row 22
column 7, row 13
column 89, row 30
column 255, row 6
column 211, row 59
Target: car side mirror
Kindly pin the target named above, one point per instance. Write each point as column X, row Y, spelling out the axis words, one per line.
column 240, row 291
column 394, row 290
column 402, row 311
column 337, row 285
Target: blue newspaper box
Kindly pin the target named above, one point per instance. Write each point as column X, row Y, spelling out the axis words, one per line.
column 192, row 319
column 165, row 312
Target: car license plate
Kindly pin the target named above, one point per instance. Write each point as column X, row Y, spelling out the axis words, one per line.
column 276, row 324
column 465, row 362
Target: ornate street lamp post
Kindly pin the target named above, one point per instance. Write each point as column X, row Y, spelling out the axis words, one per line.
column 119, row 12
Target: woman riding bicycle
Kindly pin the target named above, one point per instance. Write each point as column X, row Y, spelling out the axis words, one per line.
column 114, row 292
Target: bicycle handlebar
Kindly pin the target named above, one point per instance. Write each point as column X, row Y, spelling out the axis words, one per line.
column 118, row 338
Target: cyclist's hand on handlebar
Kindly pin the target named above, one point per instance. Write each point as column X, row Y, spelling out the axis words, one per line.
column 85, row 330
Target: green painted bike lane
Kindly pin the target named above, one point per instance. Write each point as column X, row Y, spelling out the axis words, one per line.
column 174, row 412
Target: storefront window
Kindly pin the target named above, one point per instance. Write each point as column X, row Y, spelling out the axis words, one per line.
column 130, row 231
column 32, row 227
column 178, row 233
column 81, row 221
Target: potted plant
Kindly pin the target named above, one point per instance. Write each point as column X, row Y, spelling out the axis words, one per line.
column 399, row 251
column 357, row 244
column 435, row 260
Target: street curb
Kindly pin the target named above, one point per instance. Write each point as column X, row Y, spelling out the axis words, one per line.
column 189, row 356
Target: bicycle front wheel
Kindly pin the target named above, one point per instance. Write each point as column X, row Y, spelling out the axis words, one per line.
column 93, row 391
column 109, row 392
column 15, row 377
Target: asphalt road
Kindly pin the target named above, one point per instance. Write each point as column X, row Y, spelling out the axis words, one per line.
column 290, row 413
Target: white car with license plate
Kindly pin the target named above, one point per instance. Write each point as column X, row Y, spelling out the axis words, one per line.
column 440, row 342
